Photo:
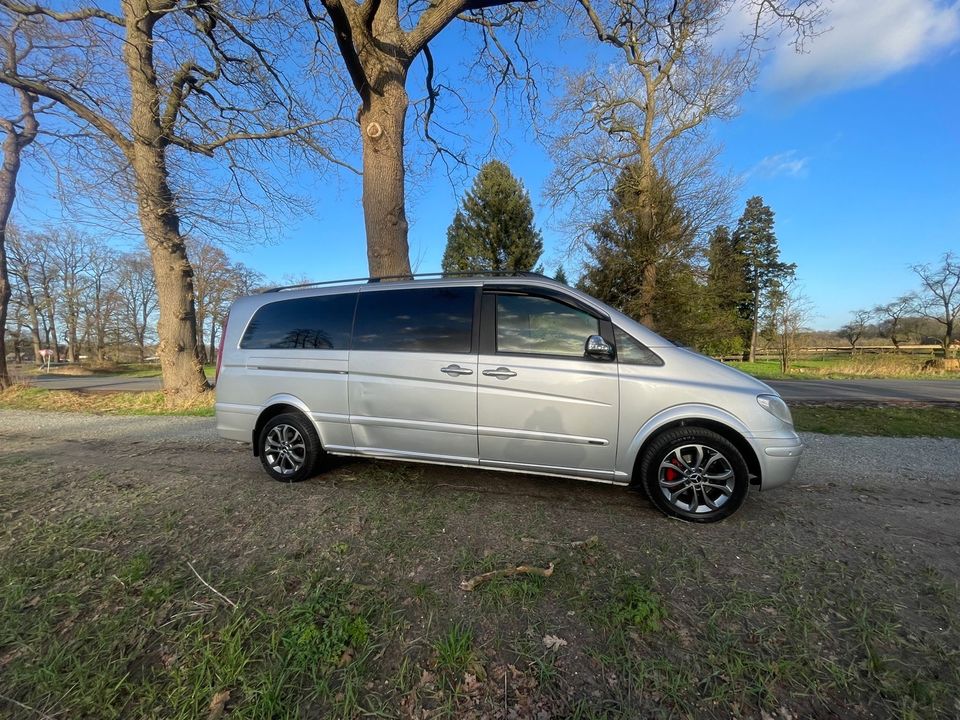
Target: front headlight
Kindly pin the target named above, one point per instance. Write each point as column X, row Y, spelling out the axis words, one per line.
column 775, row 405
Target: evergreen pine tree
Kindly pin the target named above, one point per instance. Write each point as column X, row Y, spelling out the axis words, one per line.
column 561, row 275
column 726, row 295
column 493, row 229
column 641, row 258
column 764, row 274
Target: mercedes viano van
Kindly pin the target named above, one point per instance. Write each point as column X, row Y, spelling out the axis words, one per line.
column 517, row 373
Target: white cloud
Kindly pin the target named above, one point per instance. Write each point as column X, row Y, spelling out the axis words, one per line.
column 785, row 163
column 865, row 41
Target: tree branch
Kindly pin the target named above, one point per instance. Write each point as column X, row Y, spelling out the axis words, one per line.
column 73, row 16
column 82, row 111
column 344, row 34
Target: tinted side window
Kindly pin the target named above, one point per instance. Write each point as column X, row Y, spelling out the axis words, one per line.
column 537, row 325
column 420, row 320
column 313, row 323
column 631, row 351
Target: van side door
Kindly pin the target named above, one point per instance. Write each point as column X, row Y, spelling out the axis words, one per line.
column 413, row 372
column 543, row 405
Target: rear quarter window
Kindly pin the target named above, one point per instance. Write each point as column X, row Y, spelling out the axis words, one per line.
column 312, row 323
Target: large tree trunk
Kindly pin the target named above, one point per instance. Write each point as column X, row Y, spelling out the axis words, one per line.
column 5, row 380
column 34, row 328
column 382, row 129
column 8, row 190
column 53, row 341
column 177, row 327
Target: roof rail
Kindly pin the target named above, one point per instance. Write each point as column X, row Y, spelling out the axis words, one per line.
column 412, row 276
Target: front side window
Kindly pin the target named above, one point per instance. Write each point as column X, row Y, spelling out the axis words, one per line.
column 418, row 320
column 311, row 323
column 539, row 326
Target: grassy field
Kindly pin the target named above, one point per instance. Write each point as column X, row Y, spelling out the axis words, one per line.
column 887, row 421
column 846, row 367
column 130, row 593
column 20, row 397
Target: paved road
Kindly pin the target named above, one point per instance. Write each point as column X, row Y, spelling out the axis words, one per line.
column 94, row 383
column 796, row 390
column 868, row 390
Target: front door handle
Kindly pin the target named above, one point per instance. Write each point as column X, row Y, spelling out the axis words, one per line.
column 501, row 373
column 456, row 370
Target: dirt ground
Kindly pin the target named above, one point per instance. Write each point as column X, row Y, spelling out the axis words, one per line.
column 159, row 574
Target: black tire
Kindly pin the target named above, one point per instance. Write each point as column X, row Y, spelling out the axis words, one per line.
column 289, row 448
column 672, row 472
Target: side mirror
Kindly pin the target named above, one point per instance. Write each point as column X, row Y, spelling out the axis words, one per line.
column 599, row 349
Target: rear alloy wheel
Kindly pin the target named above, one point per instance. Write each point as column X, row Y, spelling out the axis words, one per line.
column 290, row 448
column 695, row 474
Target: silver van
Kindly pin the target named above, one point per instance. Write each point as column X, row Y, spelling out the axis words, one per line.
column 517, row 373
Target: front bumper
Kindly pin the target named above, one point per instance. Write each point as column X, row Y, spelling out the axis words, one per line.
column 779, row 457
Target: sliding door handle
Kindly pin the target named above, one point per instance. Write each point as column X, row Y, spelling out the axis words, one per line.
column 456, row 370
column 501, row 373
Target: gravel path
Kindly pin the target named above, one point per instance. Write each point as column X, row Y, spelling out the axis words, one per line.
column 827, row 456
column 127, row 428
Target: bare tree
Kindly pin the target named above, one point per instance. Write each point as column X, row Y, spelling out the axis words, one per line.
column 35, row 257
column 101, row 299
column 170, row 75
column 21, row 271
column 71, row 253
column 20, row 129
column 939, row 297
column 137, row 298
column 212, row 279
column 789, row 316
column 649, row 110
column 893, row 315
column 856, row 328
column 377, row 42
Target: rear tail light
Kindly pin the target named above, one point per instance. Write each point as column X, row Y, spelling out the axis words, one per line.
column 223, row 337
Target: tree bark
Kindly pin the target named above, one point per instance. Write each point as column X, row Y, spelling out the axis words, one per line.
column 177, row 328
column 648, row 294
column 382, row 121
column 12, row 145
column 756, row 322
column 8, row 190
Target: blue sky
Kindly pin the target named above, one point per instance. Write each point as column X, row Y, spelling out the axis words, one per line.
column 855, row 144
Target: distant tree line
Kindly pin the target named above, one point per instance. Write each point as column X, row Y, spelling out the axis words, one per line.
column 932, row 311
column 76, row 296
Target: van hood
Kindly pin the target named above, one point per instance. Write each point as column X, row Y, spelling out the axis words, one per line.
column 721, row 372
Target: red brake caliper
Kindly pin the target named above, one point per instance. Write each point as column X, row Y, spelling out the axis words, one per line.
column 671, row 474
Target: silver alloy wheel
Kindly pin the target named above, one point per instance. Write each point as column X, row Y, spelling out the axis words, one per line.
column 696, row 478
column 284, row 449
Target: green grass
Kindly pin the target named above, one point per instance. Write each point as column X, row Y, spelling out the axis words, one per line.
column 100, row 615
column 848, row 367
column 454, row 651
column 121, row 403
column 883, row 421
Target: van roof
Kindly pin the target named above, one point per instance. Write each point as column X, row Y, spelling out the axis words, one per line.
column 404, row 279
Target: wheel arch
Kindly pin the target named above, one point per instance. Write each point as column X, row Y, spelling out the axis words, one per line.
column 277, row 405
column 704, row 416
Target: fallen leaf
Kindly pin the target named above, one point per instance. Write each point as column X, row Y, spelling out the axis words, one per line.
column 217, row 704
column 552, row 642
